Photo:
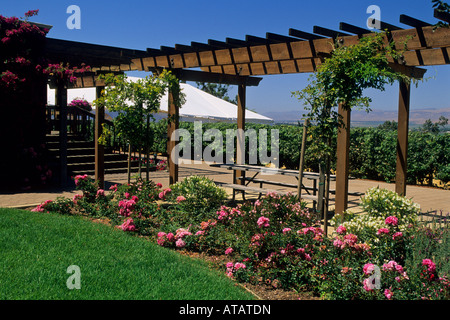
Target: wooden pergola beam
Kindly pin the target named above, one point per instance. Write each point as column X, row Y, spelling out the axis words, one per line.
column 304, row 35
column 329, row 33
column 237, row 56
column 413, row 22
column 200, row 76
column 444, row 16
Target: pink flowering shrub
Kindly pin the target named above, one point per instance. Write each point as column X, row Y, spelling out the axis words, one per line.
column 42, row 206
column 126, row 207
column 80, row 103
column 60, row 205
column 177, row 240
column 128, row 225
column 277, row 241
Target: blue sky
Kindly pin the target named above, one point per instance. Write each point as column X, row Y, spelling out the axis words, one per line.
column 150, row 24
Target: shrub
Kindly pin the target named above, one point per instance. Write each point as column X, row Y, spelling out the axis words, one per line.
column 384, row 203
column 197, row 196
column 277, row 241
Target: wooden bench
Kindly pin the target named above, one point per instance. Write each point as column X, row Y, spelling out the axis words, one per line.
column 262, row 191
column 276, row 183
column 292, row 185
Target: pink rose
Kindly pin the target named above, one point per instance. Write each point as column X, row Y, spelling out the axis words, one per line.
column 100, row 193
column 229, row 251
column 180, row 199
column 239, row 265
column 263, row 222
column 397, row 235
column 128, row 225
column 350, row 239
column 368, row 268
column 341, row 230
column 170, row 236
column 431, row 266
column 180, row 243
column 391, row 220
column 382, row 231
column 388, row 294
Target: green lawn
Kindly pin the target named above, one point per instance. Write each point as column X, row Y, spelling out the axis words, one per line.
column 37, row 248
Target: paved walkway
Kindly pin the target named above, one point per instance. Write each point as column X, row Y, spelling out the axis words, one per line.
column 429, row 199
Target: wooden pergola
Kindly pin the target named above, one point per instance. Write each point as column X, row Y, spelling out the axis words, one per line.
column 242, row 62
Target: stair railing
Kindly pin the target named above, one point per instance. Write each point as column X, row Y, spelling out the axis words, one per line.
column 80, row 122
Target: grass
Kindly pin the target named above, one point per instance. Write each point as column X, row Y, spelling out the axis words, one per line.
column 37, row 249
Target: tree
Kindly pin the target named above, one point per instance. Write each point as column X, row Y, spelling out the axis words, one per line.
column 136, row 102
column 436, row 127
column 389, row 126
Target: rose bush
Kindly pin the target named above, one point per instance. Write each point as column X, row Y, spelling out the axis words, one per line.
column 279, row 242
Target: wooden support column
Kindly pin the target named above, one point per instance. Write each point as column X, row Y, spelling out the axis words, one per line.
column 342, row 163
column 173, row 124
column 61, row 101
column 402, row 140
column 240, row 145
column 99, row 148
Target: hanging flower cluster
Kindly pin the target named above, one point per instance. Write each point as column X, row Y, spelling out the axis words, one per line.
column 20, row 51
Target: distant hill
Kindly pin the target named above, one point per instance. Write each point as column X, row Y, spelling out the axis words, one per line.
column 417, row 116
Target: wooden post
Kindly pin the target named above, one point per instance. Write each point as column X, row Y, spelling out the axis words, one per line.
column 327, row 193
column 240, row 145
column 302, row 159
column 173, row 124
column 321, row 196
column 147, row 148
column 342, row 163
column 99, row 148
column 129, row 163
column 402, row 140
column 61, row 101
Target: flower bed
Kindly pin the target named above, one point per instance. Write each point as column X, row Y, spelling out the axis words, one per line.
column 277, row 241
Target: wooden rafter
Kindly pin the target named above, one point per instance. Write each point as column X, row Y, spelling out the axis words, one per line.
column 444, row 16
column 259, row 56
column 98, row 57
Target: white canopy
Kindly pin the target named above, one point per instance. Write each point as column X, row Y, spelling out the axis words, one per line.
column 199, row 105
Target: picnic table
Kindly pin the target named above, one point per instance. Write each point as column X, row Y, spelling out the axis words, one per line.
column 243, row 186
column 241, row 183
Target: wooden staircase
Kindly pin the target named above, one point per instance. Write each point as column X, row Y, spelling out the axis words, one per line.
column 81, row 156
